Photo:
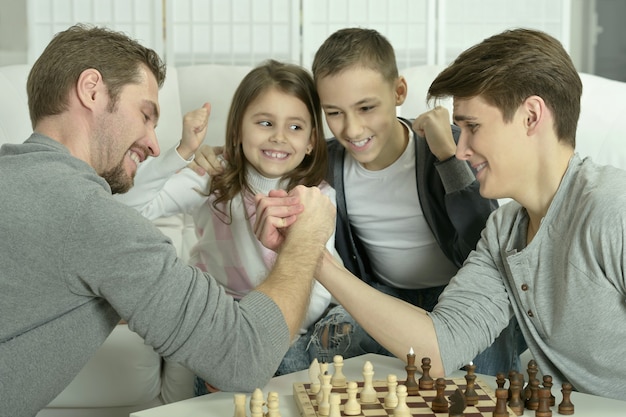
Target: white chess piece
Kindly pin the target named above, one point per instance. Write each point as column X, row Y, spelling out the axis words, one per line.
column 314, row 376
column 402, row 409
column 391, row 399
column 256, row 403
column 272, row 405
column 338, row 379
column 323, row 406
column 368, row 393
column 240, row 405
column 335, row 401
column 352, row 406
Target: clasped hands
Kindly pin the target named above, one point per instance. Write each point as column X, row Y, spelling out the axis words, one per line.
column 304, row 211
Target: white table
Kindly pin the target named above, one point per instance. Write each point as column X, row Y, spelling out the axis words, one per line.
column 221, row 404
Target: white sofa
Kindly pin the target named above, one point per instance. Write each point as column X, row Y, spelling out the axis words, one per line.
column 126, row 375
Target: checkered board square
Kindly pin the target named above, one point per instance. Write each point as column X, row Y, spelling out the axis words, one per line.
column 419, row 404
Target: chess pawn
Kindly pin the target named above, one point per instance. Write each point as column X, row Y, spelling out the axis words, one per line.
column 338, row 379
column 272, row 406
column 402, row 409
column 566, row 407
column 391, row 399
column 501, row 396
column 368, row 393
column 440, row 404
column 314, row 376
column 426, row 382
column 352, row 406
column 256, row 403
column 543, row 403
column 335, row 401
column 240, row 405
column 547, row 382
column 500, row 380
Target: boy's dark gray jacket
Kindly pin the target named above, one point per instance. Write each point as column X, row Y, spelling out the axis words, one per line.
column 449, row 196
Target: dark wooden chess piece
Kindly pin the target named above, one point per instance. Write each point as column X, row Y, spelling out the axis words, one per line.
column 543, row 408
column 440, row 403
column 547, row 382
column 512, row 374
column 426, row 382
column 411, row 384
column 457, row 404
column 500, row 380
column 532, row 374
column 532, row 403
column 501, row 396
column 471, row 397
column 566, row 407
column 515, row 391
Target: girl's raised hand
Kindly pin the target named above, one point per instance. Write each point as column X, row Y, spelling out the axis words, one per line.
column 195, row 125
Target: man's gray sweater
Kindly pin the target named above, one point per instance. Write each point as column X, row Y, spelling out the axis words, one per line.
column 73, row 260
column 567, row 288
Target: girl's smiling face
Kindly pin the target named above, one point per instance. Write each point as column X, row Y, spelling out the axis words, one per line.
column 276, row 133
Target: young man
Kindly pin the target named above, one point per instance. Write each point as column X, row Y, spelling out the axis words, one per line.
column 74, row 260
column 409, row 212
column 553, row 258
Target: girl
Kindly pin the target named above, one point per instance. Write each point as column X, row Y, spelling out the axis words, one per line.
column 274, row 140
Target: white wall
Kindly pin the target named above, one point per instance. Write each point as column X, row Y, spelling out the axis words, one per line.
column 13, row 29
column 582, row 44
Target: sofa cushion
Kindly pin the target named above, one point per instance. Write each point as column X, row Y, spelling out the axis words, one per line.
column 123, row 372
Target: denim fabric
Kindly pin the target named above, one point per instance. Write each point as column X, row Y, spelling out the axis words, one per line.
column 199, row 387
column 342, row 335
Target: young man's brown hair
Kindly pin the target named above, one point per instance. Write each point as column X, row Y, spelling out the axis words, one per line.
column 507, row 68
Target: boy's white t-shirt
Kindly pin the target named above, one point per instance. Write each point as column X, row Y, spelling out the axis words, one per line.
column 385, row 211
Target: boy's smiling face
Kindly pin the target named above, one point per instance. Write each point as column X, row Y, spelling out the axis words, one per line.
column 360, row 109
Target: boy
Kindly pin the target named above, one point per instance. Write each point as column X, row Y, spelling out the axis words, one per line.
column 408, row 211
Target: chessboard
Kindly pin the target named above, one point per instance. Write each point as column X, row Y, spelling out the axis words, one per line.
column 420, row 405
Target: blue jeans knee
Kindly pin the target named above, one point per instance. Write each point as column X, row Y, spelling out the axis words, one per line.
column 339, row 334
column 504, row 353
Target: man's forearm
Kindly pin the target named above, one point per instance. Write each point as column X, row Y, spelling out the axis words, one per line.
column 395, row 324
column 290, row 281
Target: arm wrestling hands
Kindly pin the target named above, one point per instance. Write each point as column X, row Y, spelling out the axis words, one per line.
column 409, row 326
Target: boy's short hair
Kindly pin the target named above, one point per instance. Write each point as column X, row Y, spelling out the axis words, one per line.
column 351, row 47
column 511, row 66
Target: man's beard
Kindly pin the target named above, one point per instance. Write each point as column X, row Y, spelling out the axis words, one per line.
column 118, row 180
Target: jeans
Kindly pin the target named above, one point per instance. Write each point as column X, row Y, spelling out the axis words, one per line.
column 347, row 338
column 339, row 334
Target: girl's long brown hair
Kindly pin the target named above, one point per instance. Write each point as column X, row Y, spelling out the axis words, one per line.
column 290, row 79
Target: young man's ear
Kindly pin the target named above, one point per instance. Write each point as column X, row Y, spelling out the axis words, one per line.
column 401, row 90
column 534, row 113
